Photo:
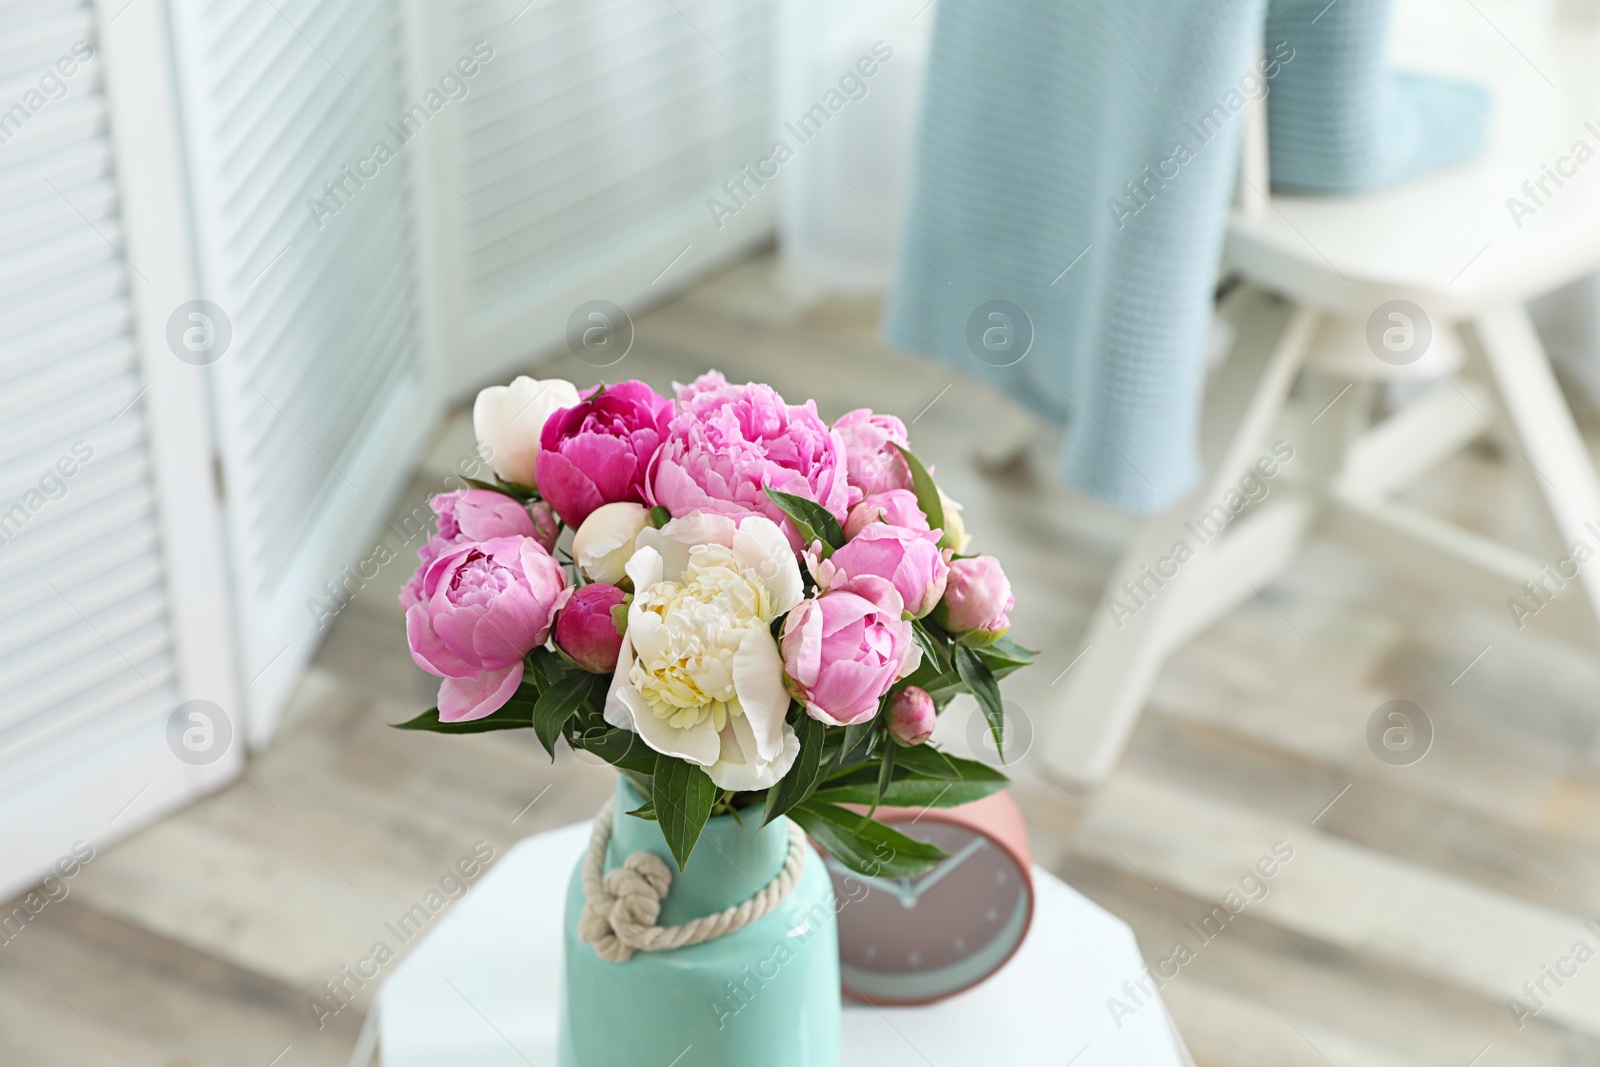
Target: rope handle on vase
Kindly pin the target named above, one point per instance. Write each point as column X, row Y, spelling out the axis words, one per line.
column 622, row 904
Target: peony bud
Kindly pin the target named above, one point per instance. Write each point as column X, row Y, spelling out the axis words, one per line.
column 509, row 418
column 977, row 596
column 912, row 716
column 586, row 629
column 955, row 531
column 604, row 543
column 545, row 527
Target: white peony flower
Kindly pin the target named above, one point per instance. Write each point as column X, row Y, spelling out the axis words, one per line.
column 605, row 542
column 509, row 418
column 699, row 675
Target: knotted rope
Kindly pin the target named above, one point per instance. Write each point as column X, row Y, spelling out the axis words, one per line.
column 623, row 904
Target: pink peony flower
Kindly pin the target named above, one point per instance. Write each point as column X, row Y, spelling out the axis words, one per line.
column 482, row 607
column 875, row 465
column 468, row 515
column 729, row 442
column 976, row 598
column 910, row 559
column 598, row 451
column 912, row 716
column 897, row 507
column 587, row 630
column 844, row 649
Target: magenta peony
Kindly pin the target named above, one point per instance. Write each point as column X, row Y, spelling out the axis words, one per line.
column 729, row 442
column 468, row 515
column 587, row 630
column 598, row 451
column 976, row 599
column 897, row 507
column 482, row 607
column 910, row 559
column 912, row 716
column 875, row 465
column 844, row 649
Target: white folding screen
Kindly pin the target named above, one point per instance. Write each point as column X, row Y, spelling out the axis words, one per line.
column 109, row 573
column 305, row 241
column 247, row 254
column 582, row 158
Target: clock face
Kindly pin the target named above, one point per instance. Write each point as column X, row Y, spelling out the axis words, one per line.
column 913, row 939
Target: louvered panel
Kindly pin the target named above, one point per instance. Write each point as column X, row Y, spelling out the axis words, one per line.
column 319, row 397
column 24, row 763
column 561, row 229
column 87, row 647
column 599, row 122
column 116, row 482
column 77, row 533
column 509, row 151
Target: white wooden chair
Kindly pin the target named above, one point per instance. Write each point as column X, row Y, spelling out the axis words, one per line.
column 1446, row 243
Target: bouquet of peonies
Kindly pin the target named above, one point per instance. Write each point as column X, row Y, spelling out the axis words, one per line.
column 757, row 611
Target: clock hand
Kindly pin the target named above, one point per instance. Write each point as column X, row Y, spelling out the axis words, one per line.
column 945, row 868
column 898, row 888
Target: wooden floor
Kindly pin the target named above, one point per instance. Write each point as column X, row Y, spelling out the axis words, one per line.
column 1414, row 906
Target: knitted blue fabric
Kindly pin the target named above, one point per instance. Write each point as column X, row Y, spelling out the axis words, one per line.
column 1342, row 121
column 1096, row 134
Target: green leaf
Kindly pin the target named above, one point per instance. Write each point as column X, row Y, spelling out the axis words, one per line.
column 556, row 705
column 811, row 520
column 682, row 795
column 547, row 667
column 912, row 793
column 507, row 718
column 798, row 784
column 1005, row 650
column 885, row 777
column 857, row 738
column 647, row 810
column 927, row 492
column 872, row 848
column 623, row 749
column 977, row 676
column 659, row 516
column 963, row 782
column 934, row 649
column 929, row 762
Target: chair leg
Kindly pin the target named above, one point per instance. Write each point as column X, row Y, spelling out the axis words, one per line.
column 1549, row 438
column 1123, row 651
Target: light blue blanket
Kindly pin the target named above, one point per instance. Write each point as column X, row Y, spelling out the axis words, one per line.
column 1342, row 121
column 1072, row 178
column 1076, row 161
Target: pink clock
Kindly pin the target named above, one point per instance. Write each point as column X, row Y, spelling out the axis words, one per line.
column 914, row 940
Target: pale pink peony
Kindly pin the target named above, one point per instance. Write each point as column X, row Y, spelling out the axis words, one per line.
column 728, row 443
column 483, row 606
column 844, row 649
column 897, row 507
column 976, row 598
column 912, row 716
column 910, row 559
column 469, row 515
column 875, row 465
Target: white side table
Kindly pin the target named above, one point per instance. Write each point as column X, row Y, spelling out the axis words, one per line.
column 482, row 988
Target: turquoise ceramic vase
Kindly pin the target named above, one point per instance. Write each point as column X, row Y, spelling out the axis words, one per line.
column 765, row 995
